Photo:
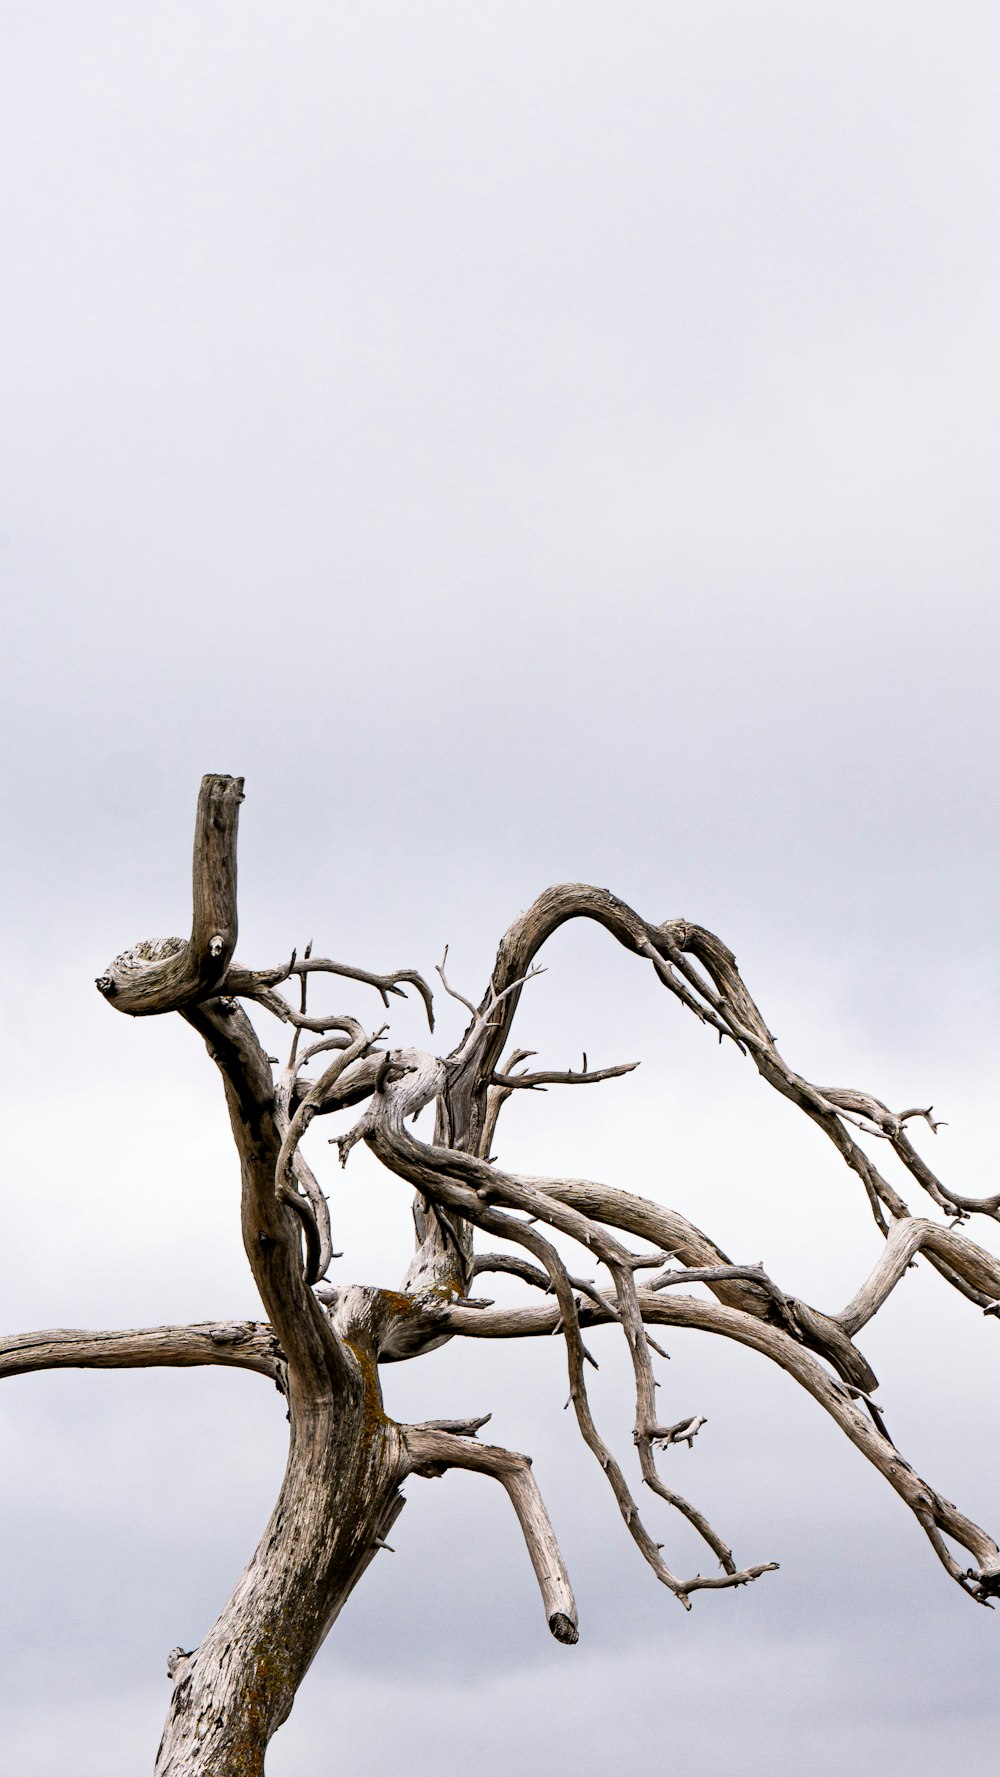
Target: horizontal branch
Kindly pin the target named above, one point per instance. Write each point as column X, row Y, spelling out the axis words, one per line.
column 513, row 1266
column 239, row 1344
column 586, row 1077
column 255, row 984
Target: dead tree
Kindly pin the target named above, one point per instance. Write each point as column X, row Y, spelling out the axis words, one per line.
column 322, row 1344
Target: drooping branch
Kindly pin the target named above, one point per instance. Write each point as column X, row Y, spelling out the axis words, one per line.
column 431, row 1451
column 701, row 971
column 934, row 1513
column 462, row 1182
column 831, row 1108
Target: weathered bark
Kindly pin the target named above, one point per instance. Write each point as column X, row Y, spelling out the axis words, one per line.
column 237, row 1344
column 338, row 1499
column 159, row 977
column 345, row 1461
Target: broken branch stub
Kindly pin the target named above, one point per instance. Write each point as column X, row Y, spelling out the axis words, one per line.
column 160, row 975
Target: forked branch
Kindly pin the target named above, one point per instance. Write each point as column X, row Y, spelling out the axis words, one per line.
column 258, row 984
column 461, row 1182
column 936, row 1515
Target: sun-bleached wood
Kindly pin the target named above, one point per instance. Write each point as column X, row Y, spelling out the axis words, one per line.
column 323, row 1341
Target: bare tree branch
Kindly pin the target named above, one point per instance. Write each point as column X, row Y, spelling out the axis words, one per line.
column 431, row 1452
column 907, row 1237
column 531, row 1082
column 254, row 984
column 699, row 969
column 168, row 974
column 291, row 1169
column 442, row 1175
column 240, row 1344
column 676, row 1310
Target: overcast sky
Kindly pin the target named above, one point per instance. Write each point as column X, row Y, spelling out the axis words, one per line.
column 528, row 442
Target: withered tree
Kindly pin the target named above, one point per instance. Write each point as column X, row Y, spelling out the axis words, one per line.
column 323, row 1343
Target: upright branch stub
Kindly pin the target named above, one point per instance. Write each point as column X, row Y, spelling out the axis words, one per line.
column 160, row 976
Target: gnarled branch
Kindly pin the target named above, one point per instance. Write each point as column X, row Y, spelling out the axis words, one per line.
column 676, row 1310
column 170, row 973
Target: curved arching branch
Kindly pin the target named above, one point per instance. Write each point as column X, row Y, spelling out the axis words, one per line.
column 700, row 970
column 967, row 1262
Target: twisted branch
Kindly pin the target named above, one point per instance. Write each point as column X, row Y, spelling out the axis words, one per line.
column 463, row 1182
column 934, row 1513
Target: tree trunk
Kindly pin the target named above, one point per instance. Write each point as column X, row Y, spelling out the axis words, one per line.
column 339, row 1496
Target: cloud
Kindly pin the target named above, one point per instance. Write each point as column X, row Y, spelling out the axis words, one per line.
column 530, row 444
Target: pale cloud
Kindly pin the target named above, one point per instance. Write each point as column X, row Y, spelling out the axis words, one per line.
column 529, row 443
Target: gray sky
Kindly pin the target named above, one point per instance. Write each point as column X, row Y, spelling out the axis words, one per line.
column 528, row 442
